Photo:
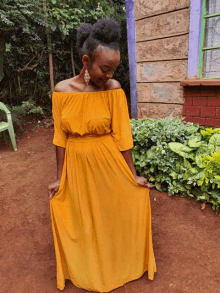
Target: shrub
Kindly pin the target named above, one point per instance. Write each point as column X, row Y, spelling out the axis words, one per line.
column 178, row 157
column 27, row 108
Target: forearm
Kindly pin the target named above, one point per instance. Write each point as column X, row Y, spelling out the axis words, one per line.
column 60, row 155
column 128, row 158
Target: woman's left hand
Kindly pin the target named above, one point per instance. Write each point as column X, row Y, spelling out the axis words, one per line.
column 141, row 181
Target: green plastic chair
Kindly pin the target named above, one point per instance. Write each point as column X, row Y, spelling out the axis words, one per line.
column 7, row 125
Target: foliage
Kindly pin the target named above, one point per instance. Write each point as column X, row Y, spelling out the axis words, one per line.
column 25, row 25
column 178, row 157
column 17, row 121
column 27, row 108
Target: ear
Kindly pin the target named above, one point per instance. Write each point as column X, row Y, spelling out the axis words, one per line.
column 85, row 60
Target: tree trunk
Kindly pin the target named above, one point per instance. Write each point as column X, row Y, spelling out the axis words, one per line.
column 10, row 91
column 72, row 60
column 35, row 88
column 50, row 55
column 111, row 4
column 51, row 72
column 19, row 84
column 2, row 50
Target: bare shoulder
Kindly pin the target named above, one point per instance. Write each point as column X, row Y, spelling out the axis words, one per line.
column 113, row 84
column 62, row 86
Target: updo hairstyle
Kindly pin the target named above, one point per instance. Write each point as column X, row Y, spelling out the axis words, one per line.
column 105, row 32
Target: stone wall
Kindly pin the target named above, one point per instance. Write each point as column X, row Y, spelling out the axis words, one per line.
column 162, row 32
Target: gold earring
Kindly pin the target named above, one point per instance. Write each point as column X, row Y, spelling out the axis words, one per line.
column 87, row 77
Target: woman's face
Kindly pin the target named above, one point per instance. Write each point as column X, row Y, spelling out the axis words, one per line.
column 104, row 65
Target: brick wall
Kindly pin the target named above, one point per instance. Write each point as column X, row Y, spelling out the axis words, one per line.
column 202, row 105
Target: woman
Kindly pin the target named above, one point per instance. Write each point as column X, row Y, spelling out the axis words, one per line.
column 100, row 208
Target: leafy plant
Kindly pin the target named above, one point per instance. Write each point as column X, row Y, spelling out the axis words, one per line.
column 27, row 108
column 178, row 157
column 33, row 31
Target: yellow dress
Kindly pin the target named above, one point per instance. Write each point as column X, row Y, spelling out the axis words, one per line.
column 101, row 217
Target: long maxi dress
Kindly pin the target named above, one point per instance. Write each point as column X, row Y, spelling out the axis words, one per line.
column 101, row 217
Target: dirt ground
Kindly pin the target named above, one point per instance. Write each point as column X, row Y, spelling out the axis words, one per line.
column 186, row 239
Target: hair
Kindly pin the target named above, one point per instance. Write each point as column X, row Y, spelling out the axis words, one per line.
column 105, row 32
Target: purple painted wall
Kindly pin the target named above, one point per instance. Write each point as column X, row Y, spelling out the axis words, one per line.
column 132, row 55
column 194, row 38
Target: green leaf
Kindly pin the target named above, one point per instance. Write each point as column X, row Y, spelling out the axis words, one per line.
column 215, row 140
column 195, row 142
column 180, row 149
column 187, row 164
column 174, row 174
column 151, row 153
column 192, row 128
column 53, row 27
column 199, row 161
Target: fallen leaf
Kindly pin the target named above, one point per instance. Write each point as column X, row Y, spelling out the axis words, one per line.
column 158, row 185
column 203, row 206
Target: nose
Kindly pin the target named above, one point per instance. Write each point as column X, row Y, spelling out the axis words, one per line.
column 109, row 75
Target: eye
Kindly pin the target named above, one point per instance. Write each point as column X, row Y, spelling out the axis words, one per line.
column 104, row 71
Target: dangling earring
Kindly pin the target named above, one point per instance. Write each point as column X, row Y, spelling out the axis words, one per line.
column 87, row 77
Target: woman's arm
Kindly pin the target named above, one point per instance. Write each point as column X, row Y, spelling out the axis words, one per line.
column 140, row 180
column 128, row 158
column 60, row 155
column 54, row 187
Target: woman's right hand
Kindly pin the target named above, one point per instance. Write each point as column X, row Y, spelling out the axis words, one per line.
column 53, row 188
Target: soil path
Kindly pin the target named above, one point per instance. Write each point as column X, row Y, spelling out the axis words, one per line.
column 186, row 239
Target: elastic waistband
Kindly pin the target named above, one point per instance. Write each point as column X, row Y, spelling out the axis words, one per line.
column 87, row 137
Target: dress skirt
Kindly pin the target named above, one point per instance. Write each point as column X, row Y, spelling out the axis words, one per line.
column 101, row 217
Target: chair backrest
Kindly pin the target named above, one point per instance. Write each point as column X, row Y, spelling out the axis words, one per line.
column 4, row 108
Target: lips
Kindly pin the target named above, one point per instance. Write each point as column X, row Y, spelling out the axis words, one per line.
column 104, row 80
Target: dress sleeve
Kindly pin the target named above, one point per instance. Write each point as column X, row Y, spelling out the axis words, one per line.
column 60, row 136
column 121, row 128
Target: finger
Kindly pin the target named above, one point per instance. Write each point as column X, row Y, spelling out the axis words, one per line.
column 49, row 190
column 51, row 195
column 148, row 185
column 145, row 181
